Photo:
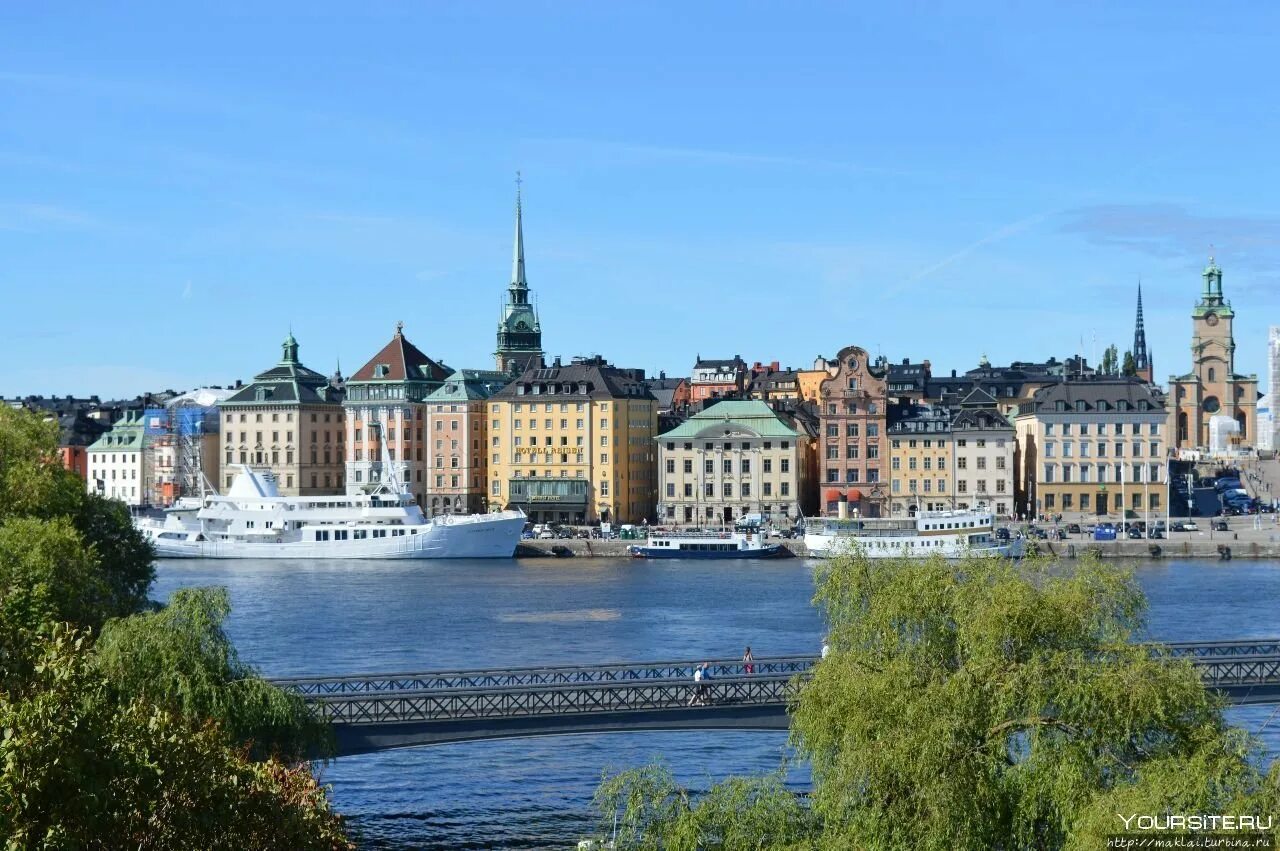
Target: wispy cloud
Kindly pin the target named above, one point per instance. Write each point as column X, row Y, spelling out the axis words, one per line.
column 34, row 217
column 998, row 235
column 1169, row 230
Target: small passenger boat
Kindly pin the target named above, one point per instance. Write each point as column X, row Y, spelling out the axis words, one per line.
column 743, row 542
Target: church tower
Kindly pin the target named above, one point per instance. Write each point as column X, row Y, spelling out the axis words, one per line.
column 519, row 332
column 1212, row 388
column 1142, row 365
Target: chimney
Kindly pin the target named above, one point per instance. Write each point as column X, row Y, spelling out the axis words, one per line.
column 557, row 362
column 662, row 374
column 953, row 373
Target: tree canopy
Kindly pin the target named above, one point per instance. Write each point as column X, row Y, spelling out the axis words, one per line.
column 127, row 724
column 984, row 705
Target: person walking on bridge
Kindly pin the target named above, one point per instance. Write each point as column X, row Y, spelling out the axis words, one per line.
column 748, row 666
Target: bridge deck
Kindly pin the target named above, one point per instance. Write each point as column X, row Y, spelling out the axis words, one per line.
column 378, row 711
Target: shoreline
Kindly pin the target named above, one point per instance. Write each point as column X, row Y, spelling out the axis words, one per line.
column 1222, row 547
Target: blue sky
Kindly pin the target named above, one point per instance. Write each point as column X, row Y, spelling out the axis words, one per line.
column 179, row 186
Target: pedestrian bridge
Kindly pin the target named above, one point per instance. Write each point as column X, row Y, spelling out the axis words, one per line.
column 381, row 711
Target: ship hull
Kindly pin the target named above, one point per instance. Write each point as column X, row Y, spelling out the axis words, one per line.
column 480, row 536
column 829, row 546
column 767, row 551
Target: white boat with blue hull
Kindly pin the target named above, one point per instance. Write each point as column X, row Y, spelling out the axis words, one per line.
column 254, row 521
column 741, row 543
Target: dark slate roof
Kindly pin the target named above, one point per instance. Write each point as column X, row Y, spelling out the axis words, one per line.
column 977, row 419
column 589, row 378
column 1096, row 394
column 735, row 362
column 78, row 430
column 403, row 361
column 286, row 383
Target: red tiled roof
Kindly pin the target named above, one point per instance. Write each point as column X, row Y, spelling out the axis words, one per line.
column 403, row 361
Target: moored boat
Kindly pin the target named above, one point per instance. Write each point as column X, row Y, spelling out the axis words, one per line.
column 254, row 521
column 739, row 543
column 955, row 534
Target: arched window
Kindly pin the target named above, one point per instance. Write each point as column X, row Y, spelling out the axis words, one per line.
column 1241, row 420
column 1182, row 427
column 1212, row 374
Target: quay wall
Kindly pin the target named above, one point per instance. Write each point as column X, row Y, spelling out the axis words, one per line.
column 1167, row 549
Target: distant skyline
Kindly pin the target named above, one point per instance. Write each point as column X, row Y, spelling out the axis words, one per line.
column 181, row 186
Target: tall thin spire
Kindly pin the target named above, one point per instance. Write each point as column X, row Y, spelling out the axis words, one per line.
column 517, row 259
column 1141, row 357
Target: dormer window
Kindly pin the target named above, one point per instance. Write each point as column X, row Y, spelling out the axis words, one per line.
column 1079, row 404
column 381, row 370
column 261, row 394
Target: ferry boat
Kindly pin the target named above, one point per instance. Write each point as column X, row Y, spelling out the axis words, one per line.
column 740, row 543
column 955, row 534
column 254, row 521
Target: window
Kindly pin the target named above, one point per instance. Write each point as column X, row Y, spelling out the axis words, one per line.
column 785, row 465
column 604, row 457
column 873, row 451
column 786, row 488
column 709, row 489
column 746, row 467
column 746, row 489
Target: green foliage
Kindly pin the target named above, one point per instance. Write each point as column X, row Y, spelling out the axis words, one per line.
column 1130, row 366
column 1110, row 361
column 981, row 705
column 179, row 657
column 80, row 770
column 124, row 556
column 654, row 812
column 33, row 482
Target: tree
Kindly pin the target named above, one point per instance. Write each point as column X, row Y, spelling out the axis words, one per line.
column 80, row 769
column 180, row 658
column 1110, row 361
column 33, row 482
column 991, row 706
column 1130, row 367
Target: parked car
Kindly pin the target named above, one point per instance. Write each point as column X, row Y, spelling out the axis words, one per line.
column 546, row 535
column 1135, row 534
column 1155, row 532
column 1073, row 528
column 1221, row 526
column 1002, row 534
column 526, row 535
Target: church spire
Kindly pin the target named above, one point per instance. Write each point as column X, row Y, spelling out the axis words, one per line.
column 517, row 258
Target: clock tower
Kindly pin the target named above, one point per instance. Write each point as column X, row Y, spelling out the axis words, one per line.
column 1212, row 388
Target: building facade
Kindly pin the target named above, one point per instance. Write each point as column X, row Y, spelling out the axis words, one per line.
column 519, row 330
column 731, row 461
column 1212, row 388
column 574, row 444
column 853, row 421
column 717, row 379
column 921, row 459
column 288, row 422
column 117, row 467
column 1092, row 446
column 385, row 408
column 457, row 438
column 984, row 443
column 1273, row 387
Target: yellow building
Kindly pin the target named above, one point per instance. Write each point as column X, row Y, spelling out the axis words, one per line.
column 921, row 460
column 574, row 444
column 811, row 381
column 1089, row 445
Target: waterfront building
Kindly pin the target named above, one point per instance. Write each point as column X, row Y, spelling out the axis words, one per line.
column 810, row 381
column 288, row 421
column 732, row 461
column 1086, row 445
column 519, row 330
column 672, row 393
column 1212, row 388
column 574, row 444
column 771, row 383
column 182, row 444
column 717, row 379
column 76, row 433
column 456, row 442
column 385, row 411
column 116, row 465
column 984, row 443
column 908, row 380
column 853, row 415
column 921, row 459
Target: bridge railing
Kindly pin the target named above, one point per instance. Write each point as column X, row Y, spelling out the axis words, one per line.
column 551, row 675
column 1221, row 649
column 554, row 700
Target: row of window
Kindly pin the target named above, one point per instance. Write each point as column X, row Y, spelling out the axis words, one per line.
column 1100, row 429
column 1086, row 447
column 101, row 473
column 852, row 450
column 962, row 463
column 852, row 408
column 1068, row 501
column 852, row 429
column 1101, row 473
column 850, row 475
column 962, row 486
column 727, row 467
column 727, row 446
column 726, row 489
column 961, row 443
column 275, row 418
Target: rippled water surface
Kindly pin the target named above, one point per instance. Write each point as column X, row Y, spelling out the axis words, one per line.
column 293, row 618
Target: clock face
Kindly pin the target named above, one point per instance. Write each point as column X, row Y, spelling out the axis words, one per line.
column 1211, row 405
column 1212, row 319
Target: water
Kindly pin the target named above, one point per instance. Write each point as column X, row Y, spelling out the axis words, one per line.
column 292, row 618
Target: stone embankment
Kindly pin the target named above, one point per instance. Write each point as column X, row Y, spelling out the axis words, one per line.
column 1179, row 548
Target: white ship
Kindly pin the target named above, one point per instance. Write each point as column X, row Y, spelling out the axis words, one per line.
column 254, row 521
column 951, row 534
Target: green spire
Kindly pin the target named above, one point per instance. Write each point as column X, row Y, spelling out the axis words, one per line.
column 290, row 347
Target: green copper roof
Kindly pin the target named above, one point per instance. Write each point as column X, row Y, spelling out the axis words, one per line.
column 469, row 384
column 753, row 415
column 127, row 435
